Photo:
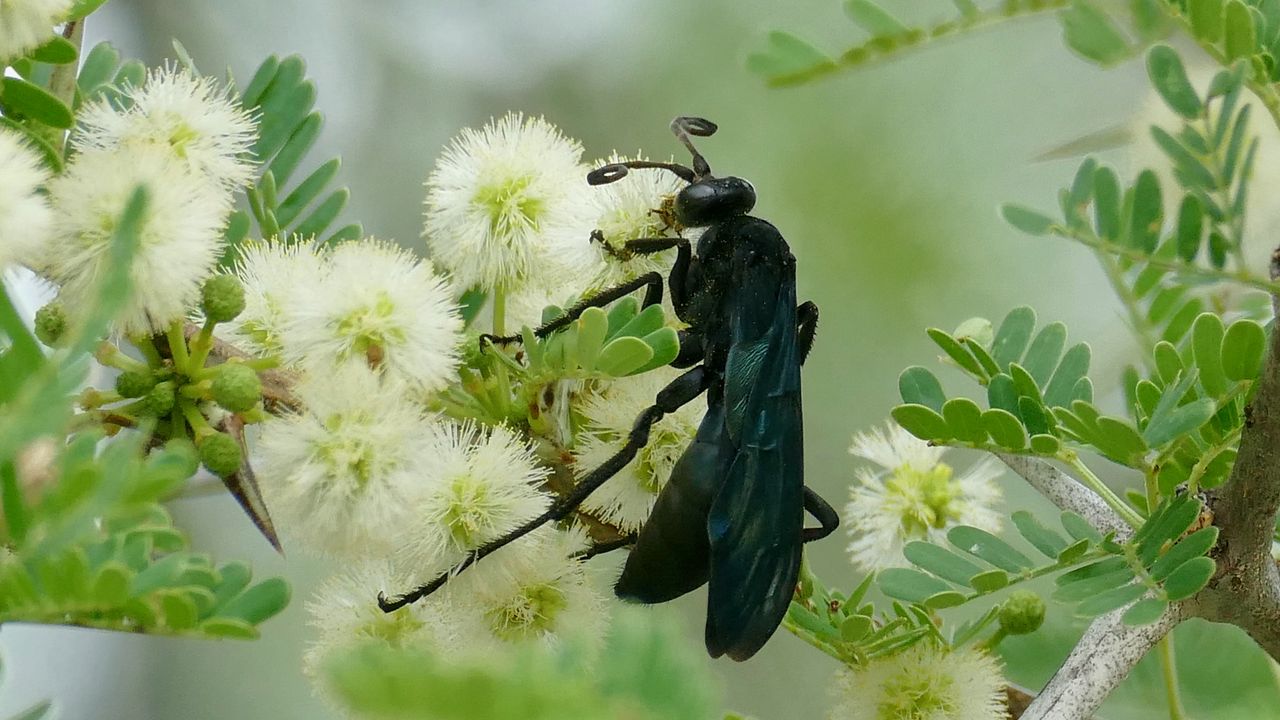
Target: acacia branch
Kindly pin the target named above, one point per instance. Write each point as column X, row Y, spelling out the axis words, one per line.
column 1100, row 661
column 1067, row 493
column 1246, row 589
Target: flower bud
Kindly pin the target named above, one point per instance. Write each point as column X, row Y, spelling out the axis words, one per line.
column 51, row 323
column 1022, row 613
column 236, row 387
column 132, row 384
column 222, row 298
column 160, row 401
column 220, row 453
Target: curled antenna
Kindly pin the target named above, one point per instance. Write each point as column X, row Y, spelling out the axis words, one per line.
column 683, row 127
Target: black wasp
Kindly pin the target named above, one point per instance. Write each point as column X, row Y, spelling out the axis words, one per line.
column 732, row 514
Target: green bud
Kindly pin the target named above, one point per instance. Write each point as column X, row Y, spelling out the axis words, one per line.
column 132, row 384
column 160, row 401
column 183, row 448
column 220, row 453
column 51, row 323
column 222, row 298
column 1022, row 613
column 236, row 387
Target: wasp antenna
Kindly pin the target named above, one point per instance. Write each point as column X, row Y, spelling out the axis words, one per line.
column 616, row 171
column 685, row 126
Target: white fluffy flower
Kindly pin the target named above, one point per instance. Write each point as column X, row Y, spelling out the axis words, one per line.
column 477, row 485
column 530, row 591
column 627, row 498
column 192, row 117
column 507, row 202
column 637, row 206
column 379, row 306
column 912, row 495
column 923, row 682
column 270, row 272
column 28, row 24
column 180, row 235
column 25, row 219
column 337, row 474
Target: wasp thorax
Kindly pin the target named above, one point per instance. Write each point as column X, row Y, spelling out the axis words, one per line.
column 711, row 200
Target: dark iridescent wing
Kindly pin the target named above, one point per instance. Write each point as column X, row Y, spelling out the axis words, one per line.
column 671, row 556
column 754, row 524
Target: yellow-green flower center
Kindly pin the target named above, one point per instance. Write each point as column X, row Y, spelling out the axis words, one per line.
column 345, row 453
column 181, row 136
column 928, row 497
column 391, row 628
column 531, row 612
column 509, row 205
column 917, row 697
column 469, row 513
column 655, row 461
column 370, row 329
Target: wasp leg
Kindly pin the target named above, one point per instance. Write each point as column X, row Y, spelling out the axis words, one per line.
column 675, row 395
column 823, row 512
column 806, row 326
column 652, row 282
column 607, row 547
column 691, row 350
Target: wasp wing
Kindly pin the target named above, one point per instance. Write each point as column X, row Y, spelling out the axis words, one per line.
column 754, row 524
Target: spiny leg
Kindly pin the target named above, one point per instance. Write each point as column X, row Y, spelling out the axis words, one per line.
column 823, row 512
column 651, row 281
column 806, row 326
column 675, row 395
column 606, row 547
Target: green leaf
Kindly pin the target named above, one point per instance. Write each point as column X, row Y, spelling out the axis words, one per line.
column 1073, row 552
column 984, row 545
column 1079, row 528
column 1170, row 80
column 21, row 98
column 1048, row 542
column 323, row 215
column 623, row 356
column 1076, row 589
column 872, row 18
column 647, row 321
column 918, row 386
column 1239, row 34
column 1243, row 347
column 956, row 351
column 786, row 54
column 964, row 420
column 1192, row 546
column 1011, row 339
column 945, row 599
column 593, row 325
column 1074, row 366
column 1190, row 228
column 1106, row 203
column 1148, row 212
column 921, row 421
column 940, row 561
column 665, row 344
column 306, row 191
column 1169, row 426
column 83, row 8
column 1045, row 444
column 1002, row 395
column 1027, row 220
column 1045, row 351
column 1189, row 578
column 989, row 581
column 1110, row 600
column 1206, row 19
column 1145, row 612
column 1092, row 34
column 1166, row 527
column 1206, row 345
column 258, row 603
column 220, row 627
column 57, row 51
column 910, row 585
column 1005, row 429
column 855, row 628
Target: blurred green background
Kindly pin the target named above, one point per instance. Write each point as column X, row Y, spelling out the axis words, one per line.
column 884, row 180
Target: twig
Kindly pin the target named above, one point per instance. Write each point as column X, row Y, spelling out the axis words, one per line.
column 1067, row 493
column 1102, row 658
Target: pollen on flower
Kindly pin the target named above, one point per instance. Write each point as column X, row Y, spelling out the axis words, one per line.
column 179, row 240
column 380, row 306
column 25, row 219
column 627, row 498
column 912, row 495
column 193, row 118
column 28, row 24
column 531, row 591
column 476, row 486
column 507, row 202
column 271, row 272
column 923, row 682
column 337, row 474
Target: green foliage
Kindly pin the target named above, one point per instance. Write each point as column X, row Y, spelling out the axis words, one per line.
column 1162, row 563
column 283, row 99
column 851, row 630
column 650, row 673
column 624, row 340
